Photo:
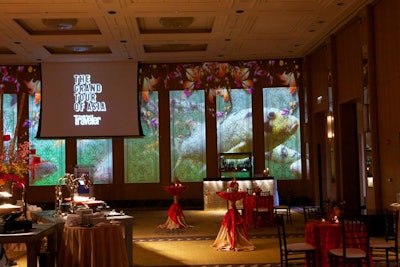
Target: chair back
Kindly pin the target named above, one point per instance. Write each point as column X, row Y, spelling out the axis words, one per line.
column 355, row 234
column 280, row 225
column 312, row 213
column 264, row 193
column 391, row 225
column 263, row 202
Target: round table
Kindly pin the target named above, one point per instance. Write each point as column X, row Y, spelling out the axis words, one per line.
column 323, row 236
column 233, row 233
column 102, row 245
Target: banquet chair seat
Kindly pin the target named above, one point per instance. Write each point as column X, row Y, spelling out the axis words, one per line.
column 383, row 248
column 355, row 244
column 293, row 253
column 312, row 213
column 262, row 209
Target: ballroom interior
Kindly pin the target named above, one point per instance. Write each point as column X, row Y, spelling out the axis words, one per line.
column 339, row 57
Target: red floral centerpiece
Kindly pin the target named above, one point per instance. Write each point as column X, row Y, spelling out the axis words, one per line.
column 14, row 164
column 233, row 186
column 334, row 210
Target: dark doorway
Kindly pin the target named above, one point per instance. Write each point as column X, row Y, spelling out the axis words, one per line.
column 350, row 178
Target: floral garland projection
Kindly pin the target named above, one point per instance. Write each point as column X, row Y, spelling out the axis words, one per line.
column 216, row 76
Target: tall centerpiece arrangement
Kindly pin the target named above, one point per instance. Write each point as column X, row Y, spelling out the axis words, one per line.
column 72, row 183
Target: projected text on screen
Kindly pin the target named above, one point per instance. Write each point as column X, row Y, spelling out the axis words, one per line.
column 85, row 100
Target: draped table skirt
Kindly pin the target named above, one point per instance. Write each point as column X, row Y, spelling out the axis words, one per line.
column 102, row 245
column 232, row 235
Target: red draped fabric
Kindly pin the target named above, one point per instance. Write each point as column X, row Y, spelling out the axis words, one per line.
column 176, row 218
column 323, row 236
column 249, row 203
column 174, row 212
column 233, row 233
column 175, row 190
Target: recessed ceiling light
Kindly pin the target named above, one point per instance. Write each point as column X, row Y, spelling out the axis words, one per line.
column 60, row 24
column 78, row 48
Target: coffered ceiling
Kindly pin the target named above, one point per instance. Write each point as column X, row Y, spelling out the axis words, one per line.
column 166, row 30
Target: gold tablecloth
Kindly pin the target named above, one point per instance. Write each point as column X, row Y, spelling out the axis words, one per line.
column 98, row 246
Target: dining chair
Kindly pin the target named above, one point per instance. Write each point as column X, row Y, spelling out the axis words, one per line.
column 293, row 253
column 263, row 208
column 312, row 213
column 355, row 244
column 284, row 210
column 382, row 248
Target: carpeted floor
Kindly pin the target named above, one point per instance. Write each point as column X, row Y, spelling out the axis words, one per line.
column 156, row 247
column 153, row 246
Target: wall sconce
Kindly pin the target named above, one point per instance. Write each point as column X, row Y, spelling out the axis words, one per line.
column 330, row 131
column 370, row 181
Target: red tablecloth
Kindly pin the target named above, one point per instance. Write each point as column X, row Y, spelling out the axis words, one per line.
column 175, row 190
column 176, row 218
column 323, row 236
column 233, row 233
column 249, row 203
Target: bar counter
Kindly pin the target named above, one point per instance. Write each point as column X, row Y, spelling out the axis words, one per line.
column 213, row 185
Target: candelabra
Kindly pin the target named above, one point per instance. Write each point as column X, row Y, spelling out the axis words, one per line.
column 72, row 183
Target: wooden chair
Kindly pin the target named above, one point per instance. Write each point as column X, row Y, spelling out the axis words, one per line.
column 284, row 210
column 312, row 213
column 382, row 248
column 355, row 244
column 263, row 208
column 293, row 253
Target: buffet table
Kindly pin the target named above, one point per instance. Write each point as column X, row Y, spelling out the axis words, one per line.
column 176, row 218
column 233, row 233
column 33, row 240
column 97, row 246
column 125, row 220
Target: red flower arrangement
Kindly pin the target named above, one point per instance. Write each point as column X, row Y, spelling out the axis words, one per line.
column 233, row 186
column 14, row 164
column 334, row 209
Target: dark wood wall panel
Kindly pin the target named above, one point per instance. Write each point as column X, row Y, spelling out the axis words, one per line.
column 349, row 63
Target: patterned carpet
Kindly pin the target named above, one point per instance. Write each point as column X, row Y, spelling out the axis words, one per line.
column 156, row 247
column 191, row 247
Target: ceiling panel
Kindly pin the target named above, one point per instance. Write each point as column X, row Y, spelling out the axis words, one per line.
column 166, row 30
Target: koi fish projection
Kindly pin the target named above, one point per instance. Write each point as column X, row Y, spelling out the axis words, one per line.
column 238, row 136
